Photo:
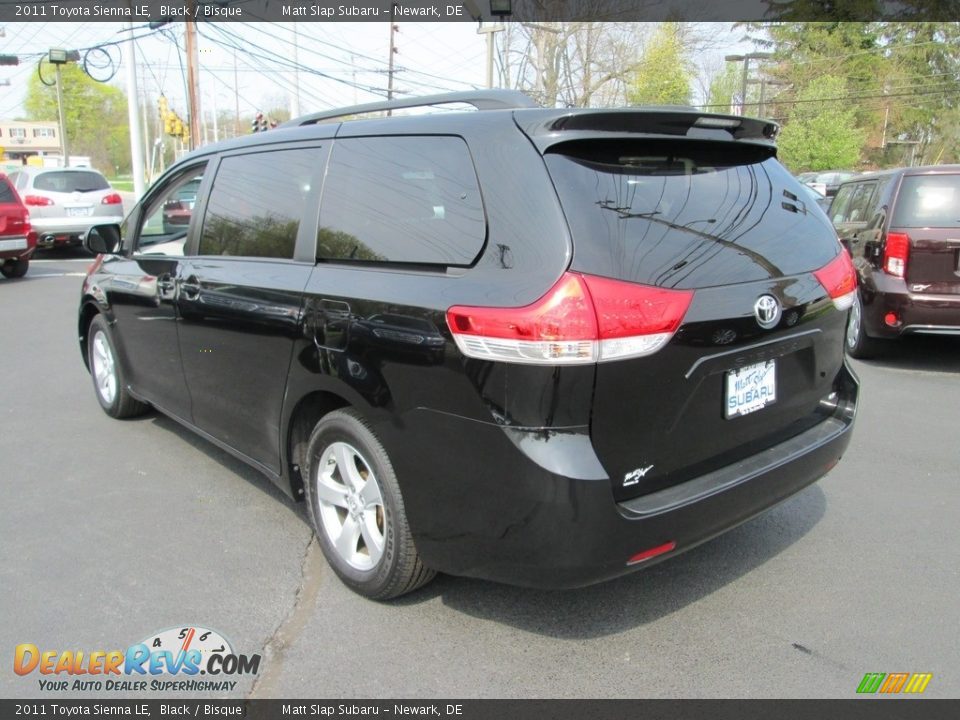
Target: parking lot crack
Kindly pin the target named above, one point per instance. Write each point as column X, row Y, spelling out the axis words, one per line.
column 291, row 627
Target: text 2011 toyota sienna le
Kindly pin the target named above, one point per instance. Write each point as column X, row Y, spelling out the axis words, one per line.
column 539, row 346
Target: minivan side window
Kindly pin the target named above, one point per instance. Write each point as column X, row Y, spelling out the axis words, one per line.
column 257, row 201
column 401, row 199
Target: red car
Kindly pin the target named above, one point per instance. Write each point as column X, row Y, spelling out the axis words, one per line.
column 17, row 238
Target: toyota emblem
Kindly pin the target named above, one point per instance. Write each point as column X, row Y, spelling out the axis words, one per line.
column 767, row 311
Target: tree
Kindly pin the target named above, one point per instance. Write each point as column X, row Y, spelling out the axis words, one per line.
column 663, row 72
column 902, row 79
column 821, row 131
column 95, row 115
column 572, row 64
column 723, row 86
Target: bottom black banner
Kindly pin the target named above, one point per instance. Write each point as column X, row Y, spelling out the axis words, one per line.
column 859, row 709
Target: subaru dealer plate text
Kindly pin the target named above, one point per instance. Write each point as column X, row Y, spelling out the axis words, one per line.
column 751, row 388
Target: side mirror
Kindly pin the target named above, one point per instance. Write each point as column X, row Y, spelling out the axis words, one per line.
column 103, row 239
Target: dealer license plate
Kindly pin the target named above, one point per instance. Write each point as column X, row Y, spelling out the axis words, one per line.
column 751, row 388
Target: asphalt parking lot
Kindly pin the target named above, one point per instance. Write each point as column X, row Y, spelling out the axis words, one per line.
column 112, row 531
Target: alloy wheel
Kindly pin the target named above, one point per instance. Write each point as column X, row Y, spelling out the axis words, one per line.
column 104, row 368
column 350, row 506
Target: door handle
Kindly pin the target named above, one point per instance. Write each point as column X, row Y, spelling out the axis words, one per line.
column 190, row 287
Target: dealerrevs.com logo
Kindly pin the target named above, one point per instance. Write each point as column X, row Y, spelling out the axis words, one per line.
column 169, row 661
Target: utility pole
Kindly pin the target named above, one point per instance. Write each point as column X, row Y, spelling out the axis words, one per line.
column 58, row 57
column 295, row 98
column 216, row 127
column 193, row 100
column 393, row 51
column 489, row 30
column 147, row 145
column 63, row 124
column 236, row 97
column 763, row 83
column 745, row 59
column 133, row 112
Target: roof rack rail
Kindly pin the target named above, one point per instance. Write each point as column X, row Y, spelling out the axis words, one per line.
column 480, row 99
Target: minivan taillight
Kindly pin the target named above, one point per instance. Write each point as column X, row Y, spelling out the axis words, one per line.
column 839, row 279
column 896, row 252
column 582, row 319
column 36, row 200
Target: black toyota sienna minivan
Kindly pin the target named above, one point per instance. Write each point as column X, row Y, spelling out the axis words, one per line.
column 540, row 346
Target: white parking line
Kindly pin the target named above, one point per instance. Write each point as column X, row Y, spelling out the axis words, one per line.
column 73, row 274
column 65, row 260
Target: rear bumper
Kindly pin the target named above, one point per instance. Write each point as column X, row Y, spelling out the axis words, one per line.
column 916, row 313
column 14, row 248
column 506, row 518
column 69, row 230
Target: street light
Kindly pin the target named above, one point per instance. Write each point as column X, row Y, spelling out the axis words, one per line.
column 58, row 57
column 745, row 59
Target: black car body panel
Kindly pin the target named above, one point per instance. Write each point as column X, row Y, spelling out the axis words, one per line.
column 275, row 308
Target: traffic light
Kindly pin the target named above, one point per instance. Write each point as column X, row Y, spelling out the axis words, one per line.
column 256, row 122
column 264, row 124
column 169, row 124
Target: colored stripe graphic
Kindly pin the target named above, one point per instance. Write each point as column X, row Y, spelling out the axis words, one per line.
column 918, row 682
column 871, row 682
column 894, row 682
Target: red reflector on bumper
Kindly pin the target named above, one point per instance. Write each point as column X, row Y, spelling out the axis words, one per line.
column 652, row 552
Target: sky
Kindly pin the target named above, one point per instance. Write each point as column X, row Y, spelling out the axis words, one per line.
column 347, row 62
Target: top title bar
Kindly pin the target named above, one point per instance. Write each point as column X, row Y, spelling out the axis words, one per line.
column 152, row 11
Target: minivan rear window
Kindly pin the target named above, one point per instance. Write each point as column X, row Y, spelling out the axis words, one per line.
column 685, row 213
column 66, row 182
column 928, row 201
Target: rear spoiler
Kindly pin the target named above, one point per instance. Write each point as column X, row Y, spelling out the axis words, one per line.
column 549, row 127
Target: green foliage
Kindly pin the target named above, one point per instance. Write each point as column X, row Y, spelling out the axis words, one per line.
column 339, row 244
column 723, row 87
column 95, row 115
column 901, row 79
column 821, row 133
column 664, row 72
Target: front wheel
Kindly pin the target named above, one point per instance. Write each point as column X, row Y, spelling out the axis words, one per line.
column 107, row 375
column 15, row 268
column 858, row 343
column 357, row 509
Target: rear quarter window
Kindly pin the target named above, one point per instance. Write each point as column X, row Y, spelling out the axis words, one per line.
column 402, row 200
column 686, row 214
column 928, row 201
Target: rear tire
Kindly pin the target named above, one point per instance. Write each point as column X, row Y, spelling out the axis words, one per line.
column 108, row 381
column 357, row 509
column 857, row 342
column 15, row 268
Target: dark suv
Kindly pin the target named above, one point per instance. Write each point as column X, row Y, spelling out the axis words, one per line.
column 903, row 229
column 540, row 346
